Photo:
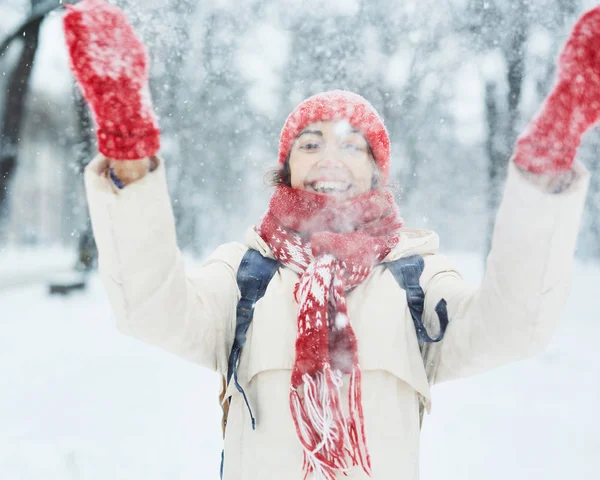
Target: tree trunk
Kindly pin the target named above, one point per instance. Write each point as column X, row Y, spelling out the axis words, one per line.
column 594, row 199
column 14, row 111
column 87, row 251
column 495, row 155
column 503, row 136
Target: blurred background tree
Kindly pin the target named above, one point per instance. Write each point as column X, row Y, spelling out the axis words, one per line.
column 454, row 81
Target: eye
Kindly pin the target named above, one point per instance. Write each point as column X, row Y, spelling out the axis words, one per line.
column 310, row 146
column 352, row 147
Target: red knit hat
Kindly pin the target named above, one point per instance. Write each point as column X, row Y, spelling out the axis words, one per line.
column 339, row 105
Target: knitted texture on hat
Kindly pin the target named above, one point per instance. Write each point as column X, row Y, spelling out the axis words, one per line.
column 339, row 105
column 333, row 246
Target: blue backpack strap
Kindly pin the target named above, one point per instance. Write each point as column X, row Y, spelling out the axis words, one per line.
column 407, row 272
column 253, row 277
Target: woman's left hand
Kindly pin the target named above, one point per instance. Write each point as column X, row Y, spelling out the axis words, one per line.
column 549, row 143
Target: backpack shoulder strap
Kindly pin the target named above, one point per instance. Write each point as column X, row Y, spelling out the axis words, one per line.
column 253, row 276
column 407, row 272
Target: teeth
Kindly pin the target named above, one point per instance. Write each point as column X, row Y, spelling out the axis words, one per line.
column 330, row 186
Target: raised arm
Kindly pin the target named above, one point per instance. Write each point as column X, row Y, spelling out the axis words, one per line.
column 191, row 314
column 514, row 312
column 153, row 297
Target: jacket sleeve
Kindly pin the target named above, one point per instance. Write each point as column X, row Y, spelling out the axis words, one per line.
column 514, row 312
column 153, row 298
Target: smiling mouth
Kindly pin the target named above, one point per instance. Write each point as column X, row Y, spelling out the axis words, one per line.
column 329, row 187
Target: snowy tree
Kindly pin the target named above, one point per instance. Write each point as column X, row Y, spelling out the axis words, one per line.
column 454, row 83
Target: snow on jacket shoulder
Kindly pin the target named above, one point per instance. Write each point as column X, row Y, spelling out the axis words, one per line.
column 511, row 315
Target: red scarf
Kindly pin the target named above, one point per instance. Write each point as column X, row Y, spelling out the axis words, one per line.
column 333, row 246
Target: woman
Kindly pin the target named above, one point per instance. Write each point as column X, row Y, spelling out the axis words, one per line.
column 331, row 368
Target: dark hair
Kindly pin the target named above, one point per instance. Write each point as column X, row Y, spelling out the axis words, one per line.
column 282, row 175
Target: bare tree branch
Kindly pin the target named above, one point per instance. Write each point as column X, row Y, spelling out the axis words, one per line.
column 38, row 13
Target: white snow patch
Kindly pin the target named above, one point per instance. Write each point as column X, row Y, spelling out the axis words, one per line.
column 51, row 73
column 262, row 57
column 341, row 321
column 398, row 70
column 539, row 42
column 468, row 104
column 342, row 129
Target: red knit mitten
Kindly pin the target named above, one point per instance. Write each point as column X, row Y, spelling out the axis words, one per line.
column 110, row 64
column 550, row 141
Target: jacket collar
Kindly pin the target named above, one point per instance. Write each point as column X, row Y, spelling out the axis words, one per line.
column 413, row 241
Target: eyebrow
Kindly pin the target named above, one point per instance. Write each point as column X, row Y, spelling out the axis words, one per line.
column 314, row 132
column 320, row 133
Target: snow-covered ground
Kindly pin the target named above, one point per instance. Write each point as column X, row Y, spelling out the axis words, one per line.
column 79, row 401
column 22, row 265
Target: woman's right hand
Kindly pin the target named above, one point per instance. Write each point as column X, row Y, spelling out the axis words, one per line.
column 110, row 65
column 129, row 171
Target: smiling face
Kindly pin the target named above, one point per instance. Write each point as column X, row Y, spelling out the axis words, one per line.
column 331, row 158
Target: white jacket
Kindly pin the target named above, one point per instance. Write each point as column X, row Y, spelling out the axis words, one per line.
column 510, row 316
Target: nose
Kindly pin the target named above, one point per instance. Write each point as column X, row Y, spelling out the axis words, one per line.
column 330, row 157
